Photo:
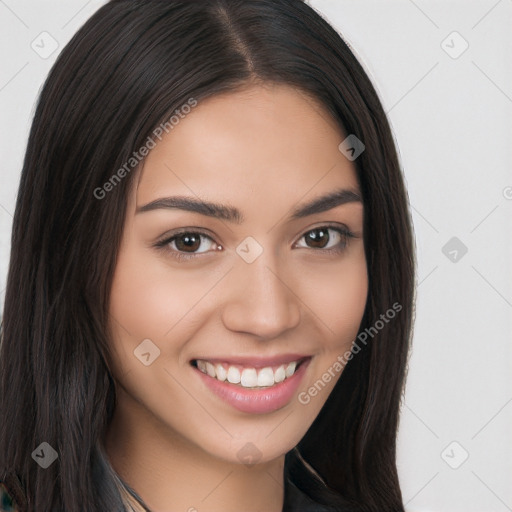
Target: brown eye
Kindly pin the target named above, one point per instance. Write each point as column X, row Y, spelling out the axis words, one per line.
column 188, row 242
column 327, row 238
column 318, row 238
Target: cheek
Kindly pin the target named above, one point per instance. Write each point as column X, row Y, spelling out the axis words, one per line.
column 338, row 299
column 150, row 301
column 149, row 298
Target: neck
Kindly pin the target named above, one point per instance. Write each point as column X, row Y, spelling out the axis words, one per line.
column 171, row 474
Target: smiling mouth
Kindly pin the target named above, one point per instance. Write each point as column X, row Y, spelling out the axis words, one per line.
column 247, row 376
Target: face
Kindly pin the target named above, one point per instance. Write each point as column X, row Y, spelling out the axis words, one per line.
column 228, row 319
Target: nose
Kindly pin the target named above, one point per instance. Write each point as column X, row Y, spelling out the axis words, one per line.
column 260, row 302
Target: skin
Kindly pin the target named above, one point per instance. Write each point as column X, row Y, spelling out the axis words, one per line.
column 265, row 150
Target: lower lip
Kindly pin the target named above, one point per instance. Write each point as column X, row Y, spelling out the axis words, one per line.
column 256, row 401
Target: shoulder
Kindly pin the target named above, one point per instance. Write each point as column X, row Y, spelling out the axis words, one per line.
column 6, row 501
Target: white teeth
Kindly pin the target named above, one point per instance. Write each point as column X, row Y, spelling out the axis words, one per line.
column 266, row 377
column 210, row 369
column 290, row 369
column 222, row 374
column 233, row 375
column 249, row 378
column 280, row 374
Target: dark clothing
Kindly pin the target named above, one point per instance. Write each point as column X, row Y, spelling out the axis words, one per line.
column 296, row 498
column 296, row 501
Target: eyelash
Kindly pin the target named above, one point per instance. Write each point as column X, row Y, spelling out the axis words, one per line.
column 345, row 234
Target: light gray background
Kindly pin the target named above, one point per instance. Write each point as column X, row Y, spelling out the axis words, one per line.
column 451, row 118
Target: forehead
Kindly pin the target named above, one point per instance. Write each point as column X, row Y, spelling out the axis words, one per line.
column 262, row 143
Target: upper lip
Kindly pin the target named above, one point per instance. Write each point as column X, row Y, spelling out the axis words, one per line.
column 255, row 361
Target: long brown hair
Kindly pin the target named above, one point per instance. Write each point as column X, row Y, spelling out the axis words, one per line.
column 125, row 71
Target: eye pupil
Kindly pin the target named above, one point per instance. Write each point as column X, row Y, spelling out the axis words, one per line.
column 316, row 235
column 190, row 241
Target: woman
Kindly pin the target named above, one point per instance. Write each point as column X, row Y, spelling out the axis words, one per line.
column 210, row 296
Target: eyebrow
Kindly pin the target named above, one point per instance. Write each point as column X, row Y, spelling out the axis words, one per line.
column 231, row 214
